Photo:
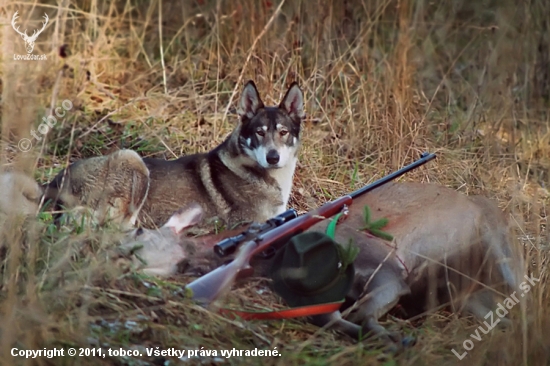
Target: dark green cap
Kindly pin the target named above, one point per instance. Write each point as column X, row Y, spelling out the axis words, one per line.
column 308, row 271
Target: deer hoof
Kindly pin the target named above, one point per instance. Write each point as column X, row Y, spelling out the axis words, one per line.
column 392, row 342
column 504, row 324
column 392, row 348
column 408, row 341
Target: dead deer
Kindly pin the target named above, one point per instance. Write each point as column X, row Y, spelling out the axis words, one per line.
column 167, row 250
column 447, row 248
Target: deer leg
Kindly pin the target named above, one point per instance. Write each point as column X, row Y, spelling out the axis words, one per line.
column 335, row 321
column 481, row 304
column 383, row 293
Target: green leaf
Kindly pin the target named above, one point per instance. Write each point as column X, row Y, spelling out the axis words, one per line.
column 374, row 227
column 379, row 224
column 347, row 254
column 381, row 234
column 367, row 214
column 331, row 228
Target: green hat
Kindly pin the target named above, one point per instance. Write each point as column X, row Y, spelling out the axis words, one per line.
column 307, row 271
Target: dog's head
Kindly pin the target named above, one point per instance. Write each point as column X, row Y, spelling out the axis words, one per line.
column 270, row 135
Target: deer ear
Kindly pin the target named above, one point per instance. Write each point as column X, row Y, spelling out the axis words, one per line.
column 185, row 217
column 250, row 101
column 293, row 102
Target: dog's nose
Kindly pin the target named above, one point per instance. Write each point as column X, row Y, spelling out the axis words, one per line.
column 272, row 157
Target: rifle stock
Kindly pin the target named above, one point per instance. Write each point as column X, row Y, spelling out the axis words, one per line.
column 212, row 285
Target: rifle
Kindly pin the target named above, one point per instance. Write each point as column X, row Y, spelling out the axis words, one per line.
column 260, row 237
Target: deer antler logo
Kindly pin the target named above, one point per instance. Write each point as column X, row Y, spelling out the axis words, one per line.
column 29, row 41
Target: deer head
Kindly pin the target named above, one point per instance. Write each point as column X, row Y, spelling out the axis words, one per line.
column 29, row 41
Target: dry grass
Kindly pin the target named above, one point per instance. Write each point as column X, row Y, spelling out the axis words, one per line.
column 384, row 80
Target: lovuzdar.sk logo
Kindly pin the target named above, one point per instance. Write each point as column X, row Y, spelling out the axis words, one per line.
column 29, row 40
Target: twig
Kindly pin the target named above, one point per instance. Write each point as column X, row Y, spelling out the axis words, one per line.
column 53, row 101
column 217, row 316
column 161, row 49
column 131, row 102
column 249, row 56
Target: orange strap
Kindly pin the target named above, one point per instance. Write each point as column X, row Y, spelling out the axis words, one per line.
column 284, row 314
column 292, row 312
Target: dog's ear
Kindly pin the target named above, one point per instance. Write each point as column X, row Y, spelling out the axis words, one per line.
column 185, row 217
column 293, row 102
column 250, row 101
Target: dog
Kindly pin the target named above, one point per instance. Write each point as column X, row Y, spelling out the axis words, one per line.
column 248, row 177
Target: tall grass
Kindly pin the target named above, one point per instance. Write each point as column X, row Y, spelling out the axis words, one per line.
column 384, row 80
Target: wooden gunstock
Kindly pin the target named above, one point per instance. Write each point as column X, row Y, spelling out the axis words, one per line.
column 212, row 285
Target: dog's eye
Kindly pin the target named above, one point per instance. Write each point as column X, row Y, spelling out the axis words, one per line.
column 283, row 132
column 139, row 231
column 260, row 132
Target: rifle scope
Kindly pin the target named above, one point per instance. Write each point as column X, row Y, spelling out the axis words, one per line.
column 229, row 245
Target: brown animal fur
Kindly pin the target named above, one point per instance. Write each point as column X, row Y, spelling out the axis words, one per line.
column 114, row 186
column 448, row 246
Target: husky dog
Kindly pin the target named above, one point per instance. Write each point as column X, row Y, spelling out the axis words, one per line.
column 248, row 177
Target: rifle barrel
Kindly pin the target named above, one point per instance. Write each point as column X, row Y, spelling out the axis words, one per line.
column 424, row 158
column 210, row 286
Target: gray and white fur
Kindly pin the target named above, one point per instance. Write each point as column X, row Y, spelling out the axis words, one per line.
column 248, row 177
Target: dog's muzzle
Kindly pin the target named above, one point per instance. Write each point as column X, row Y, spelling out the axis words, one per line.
column 272, row 157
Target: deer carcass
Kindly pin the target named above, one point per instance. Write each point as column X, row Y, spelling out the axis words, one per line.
column 447, row 248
